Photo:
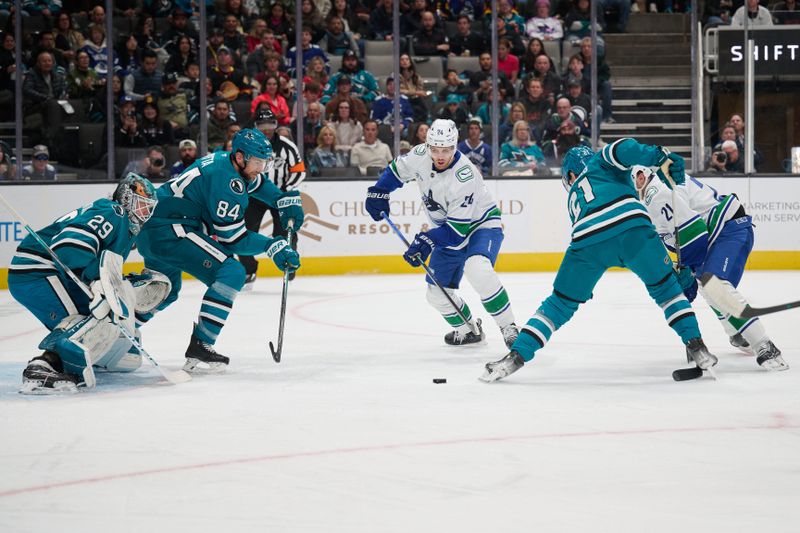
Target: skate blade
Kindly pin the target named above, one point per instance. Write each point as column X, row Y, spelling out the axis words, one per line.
column 775, row 365
column 36, row 388
column 195, row 366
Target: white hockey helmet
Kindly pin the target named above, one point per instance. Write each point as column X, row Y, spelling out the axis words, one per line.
column 443, row 132
column 648, row 172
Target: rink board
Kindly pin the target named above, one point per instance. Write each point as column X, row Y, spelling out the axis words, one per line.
column 339, row 237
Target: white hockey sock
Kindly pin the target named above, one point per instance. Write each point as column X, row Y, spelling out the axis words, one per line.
column 440, row 302
column 481, row 275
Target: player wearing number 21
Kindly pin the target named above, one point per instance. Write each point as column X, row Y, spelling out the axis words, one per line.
column 610, row 227
column 199, row 225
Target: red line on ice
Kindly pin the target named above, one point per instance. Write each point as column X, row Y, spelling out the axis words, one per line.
column 778, row 424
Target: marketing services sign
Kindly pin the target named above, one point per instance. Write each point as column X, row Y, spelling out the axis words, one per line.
column 776, row 51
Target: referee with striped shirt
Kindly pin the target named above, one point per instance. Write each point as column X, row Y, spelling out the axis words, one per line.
column 287, row 173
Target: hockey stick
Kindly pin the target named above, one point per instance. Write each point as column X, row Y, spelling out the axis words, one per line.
column 276, row 354
column 428, row 271
column 729, row 302
column 175, row 377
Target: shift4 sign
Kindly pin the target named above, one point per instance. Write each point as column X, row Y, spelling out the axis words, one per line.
column 11, row 231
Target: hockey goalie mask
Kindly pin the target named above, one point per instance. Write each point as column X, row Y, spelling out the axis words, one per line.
column 137, row 196
column 441, row 140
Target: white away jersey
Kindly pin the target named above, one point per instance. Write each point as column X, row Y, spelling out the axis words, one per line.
column 456, row 196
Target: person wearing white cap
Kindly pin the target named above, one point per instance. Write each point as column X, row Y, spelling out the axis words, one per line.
column 39, row 167
column 187, row 149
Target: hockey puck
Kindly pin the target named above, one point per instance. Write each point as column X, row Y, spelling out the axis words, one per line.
column 439, row 381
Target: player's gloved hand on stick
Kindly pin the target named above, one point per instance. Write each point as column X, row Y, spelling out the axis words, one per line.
column 688, row 282
column 377, row 202
column 290, row 208
column 283, row 255
column 677, row 168
column 419, row 250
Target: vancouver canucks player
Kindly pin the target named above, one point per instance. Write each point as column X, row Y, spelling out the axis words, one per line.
column 610, row 227
column 199, row 225
column 466, row 234
column 80, row 328
column 716, row 236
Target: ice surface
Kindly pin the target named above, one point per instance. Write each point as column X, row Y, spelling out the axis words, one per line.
column 348, row 433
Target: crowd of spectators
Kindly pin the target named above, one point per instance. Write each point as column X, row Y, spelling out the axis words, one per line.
column 348, row 113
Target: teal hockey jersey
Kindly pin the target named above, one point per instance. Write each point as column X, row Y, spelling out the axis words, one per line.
column 211, row 197
column 77, row 238
column 602, row 201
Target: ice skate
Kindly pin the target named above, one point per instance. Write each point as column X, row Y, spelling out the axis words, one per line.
column 738, row 341
column 42, row 377
column 201, row 358
column 454, row 338
column 696, row 352
column 503, row 367
column 769, row 357
column 510, row 334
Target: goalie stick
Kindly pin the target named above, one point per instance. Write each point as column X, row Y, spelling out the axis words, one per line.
column 276, row 354
column 173, row 377
column 428, row 270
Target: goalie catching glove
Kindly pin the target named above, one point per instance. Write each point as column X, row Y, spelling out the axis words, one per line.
column 283, row 255
column 419, row 250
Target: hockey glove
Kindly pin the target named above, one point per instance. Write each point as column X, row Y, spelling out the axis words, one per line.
column 688, row 282
column 290, row 209
column 677, row 168
column 377, row 202
column 419, row 250
column 98, row 307
column 282, row 254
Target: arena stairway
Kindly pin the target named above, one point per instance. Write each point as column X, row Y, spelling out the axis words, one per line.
column 651, row 78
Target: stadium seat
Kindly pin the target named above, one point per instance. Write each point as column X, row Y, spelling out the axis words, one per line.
column 462, row 63
column 553, row 49
column 123, row 156
column 92, row 142
column 379, row 65
column 173, row 155
column 339, row 172
column 79, row 105
column 374, row 172
column 430, row 69
column 378, row 48
column 335, row 63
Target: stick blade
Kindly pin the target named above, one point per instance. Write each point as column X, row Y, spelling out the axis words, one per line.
column 276, row 354
column 176, row 377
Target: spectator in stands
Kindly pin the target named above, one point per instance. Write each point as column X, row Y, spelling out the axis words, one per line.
column 8, row 167
column 82, row 81
column 725, row 158
column 363, row 83
column 786, row 12
column 512, row 19
column 348, row 130
column 411, row 20
column 568, row 137
column 603, row 77
column 189, row 80
column 517, row 45
column 574, row 92
column 68, row 39
column 537, row 105
column 412, row 86
column 276, row 102
column 129, row 132
column 535, row 49
column 383, row 108
column 737, row 122
column 42, row 88
column 39, row 167
column 179, row 27
column 257, row 59
column 253, row 37
column 187, row 149
column 578, row 24
column 97, row 16
column 454, row 109
column 507, row 62
column 718, row 12
column 475, row 149
column 225, row 71
column 315, row 71
column 575, row 72
column 452, row 9
column 350, row 19
column 155, row 129
column 515, row 114
column 380, row 22
column 624, row 9
column 8, row 69
column 145, row 29
column 312, row 93
column 311, row 17
column 155, row 164
column 232, row 36
column 279, row 22
column 218, row 123
column 182, row 56
column 215, row 41
column 146, row 80
column 466, row 42
column 453, row 85
column 344, row 93
column 97, row 49
column 47, row 42
column 309, row 50
column 273, row 66
column 129, row 55
column 543, row 26
column 563, row 113
column 336, row 41
column 312, row 124
column 551, row 83
column 758, row 15
column 430, row 40
column 484, row 112
column 371, row 152
column 418, row 133
column 327, row 154
column 521, row 153
column 243, row 11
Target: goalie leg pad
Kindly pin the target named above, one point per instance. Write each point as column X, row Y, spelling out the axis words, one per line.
column 78, row 339
column 122, row 356
column 481, row 275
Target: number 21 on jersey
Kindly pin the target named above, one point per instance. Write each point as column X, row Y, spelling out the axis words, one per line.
column 574, row 198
